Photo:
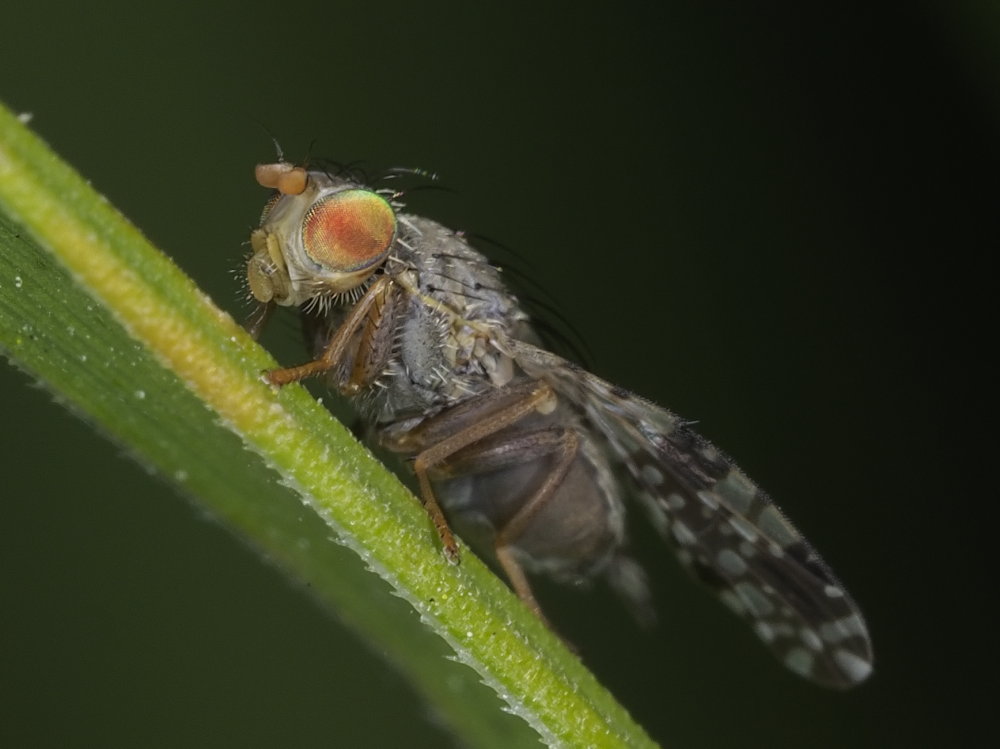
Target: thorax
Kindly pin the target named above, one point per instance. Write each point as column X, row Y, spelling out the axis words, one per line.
column 452, row 318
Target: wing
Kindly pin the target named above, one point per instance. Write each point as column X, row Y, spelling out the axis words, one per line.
column 724, row 528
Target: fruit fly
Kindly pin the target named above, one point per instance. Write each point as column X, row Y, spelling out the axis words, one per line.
column 518, row 447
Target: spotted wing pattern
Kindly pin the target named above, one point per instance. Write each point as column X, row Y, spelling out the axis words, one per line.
column 724, row 528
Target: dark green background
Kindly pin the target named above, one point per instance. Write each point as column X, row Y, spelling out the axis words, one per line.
column 770, row 219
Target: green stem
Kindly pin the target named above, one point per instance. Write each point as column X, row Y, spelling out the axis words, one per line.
column 190, row 353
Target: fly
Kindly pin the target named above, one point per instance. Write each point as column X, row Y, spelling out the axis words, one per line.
column 524, row 452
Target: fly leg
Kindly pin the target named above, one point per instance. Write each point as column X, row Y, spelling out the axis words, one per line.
column 444, row 434
column 371, row 320
column 560, row 443
column 258, row 319
column 464, row 440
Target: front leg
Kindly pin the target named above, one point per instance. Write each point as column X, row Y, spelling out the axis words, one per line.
column 371, row 319
column 258, row 319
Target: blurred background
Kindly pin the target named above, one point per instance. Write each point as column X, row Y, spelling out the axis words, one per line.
column 772, row 219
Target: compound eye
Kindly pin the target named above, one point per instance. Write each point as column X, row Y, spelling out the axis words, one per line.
column 349, row 230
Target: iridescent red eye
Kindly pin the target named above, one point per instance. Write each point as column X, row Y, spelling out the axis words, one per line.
column 349, row 230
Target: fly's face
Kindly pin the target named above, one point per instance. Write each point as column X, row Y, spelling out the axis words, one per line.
column 319, row 236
